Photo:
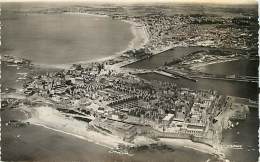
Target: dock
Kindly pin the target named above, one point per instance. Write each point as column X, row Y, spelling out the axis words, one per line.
column 248, row 79
column 161, row 72
column 175, row 73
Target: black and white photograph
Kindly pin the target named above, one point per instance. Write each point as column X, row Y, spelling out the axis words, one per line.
column 129, row 80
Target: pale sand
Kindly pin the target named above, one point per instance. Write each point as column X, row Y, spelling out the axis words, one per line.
column 193, row 145
column 141, row 37
column 198, row 66
column 52, row 119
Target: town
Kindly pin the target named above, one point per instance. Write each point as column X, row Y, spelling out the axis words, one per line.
column 125, row 105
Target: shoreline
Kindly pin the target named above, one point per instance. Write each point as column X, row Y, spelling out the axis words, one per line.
column 218, row 152
column 106, row 141
column 179, row 143
column 71, row 134
column 192, row 145
column 50, row 118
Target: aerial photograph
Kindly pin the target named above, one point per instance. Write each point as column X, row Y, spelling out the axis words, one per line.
column 129, row 81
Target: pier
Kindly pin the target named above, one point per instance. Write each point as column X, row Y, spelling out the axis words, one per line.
column 185, row 76
column 160, row 72
column 249, row 79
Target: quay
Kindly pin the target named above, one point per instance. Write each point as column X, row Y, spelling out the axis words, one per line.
column 179, row 75
column 228, row 78
column 160, row 72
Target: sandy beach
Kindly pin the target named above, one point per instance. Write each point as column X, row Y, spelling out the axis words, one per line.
column 52, row 119
column 141, row 36
column 189, row 144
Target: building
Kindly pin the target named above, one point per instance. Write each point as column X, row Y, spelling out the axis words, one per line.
column 124, row 130
column 167, row 119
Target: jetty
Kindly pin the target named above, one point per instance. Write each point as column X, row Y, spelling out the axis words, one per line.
column 249, row 79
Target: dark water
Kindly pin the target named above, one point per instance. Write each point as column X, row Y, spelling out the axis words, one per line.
column 40, row 144
column 62, row 38
column 240, row 89
column 160, row 59
column 245, row 134
column 240, row 67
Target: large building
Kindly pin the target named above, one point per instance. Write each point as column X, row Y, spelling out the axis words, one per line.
column 124, row 130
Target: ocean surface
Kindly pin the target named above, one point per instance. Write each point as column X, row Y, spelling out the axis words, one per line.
column 62, row 38
column 160, row 59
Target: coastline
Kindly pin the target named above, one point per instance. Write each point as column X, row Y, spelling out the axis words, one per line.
column 192, row 145
column 140, row 34
column 218, row 152
column 112, row 142
column 50, row 118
